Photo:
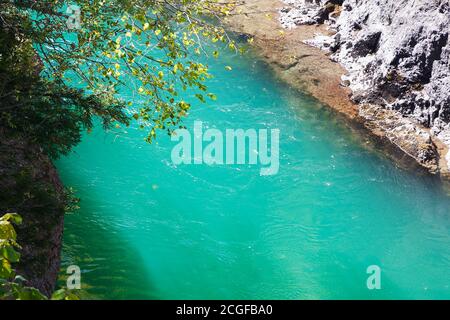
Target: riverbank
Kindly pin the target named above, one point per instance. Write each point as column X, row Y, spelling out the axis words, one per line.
column 31, row 187
column 311, row 70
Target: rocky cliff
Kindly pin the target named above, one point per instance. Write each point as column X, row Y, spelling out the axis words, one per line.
column 397, row 57
column 30, row 186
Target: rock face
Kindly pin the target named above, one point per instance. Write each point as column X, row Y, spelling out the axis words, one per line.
column 396, row 52
column 307, row 12
column 30, row 186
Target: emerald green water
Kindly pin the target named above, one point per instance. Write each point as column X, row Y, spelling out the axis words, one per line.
column 149, row 229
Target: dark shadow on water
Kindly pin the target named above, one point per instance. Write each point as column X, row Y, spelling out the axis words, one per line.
column 92, row 244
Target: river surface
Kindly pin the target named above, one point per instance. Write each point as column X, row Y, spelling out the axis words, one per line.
column 148, row 229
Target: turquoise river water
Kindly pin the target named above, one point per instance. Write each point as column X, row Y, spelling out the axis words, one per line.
column 150, row 229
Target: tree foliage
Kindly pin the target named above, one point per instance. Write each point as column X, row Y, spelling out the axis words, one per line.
column 55, row 80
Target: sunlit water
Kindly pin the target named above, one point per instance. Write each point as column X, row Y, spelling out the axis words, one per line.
column 149, row 229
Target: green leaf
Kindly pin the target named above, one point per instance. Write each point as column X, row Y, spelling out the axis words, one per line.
column 59, row 295
column 7, row 231
column 12, row 217
column 28, row 293
column 19, row 279
column 200, row 97
column 6, row 271
column 72, row 296
column 10, row 254
column 212, row 96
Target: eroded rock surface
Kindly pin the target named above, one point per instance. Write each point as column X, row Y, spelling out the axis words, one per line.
column 397, row 54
